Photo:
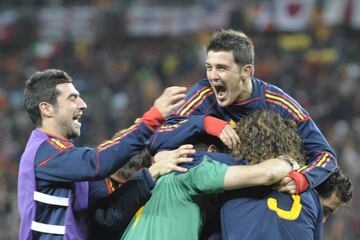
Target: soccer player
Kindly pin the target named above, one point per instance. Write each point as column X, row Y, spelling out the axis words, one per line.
column 260, row 213
column 172, row 211
column 231, row 91
column 53, row 174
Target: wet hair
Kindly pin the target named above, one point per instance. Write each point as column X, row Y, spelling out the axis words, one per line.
column 137, row 162
column 233, row 41
column 265, row 134
column 338, row 182
column 41, row 87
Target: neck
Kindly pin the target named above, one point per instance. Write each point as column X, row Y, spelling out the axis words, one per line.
column 247, row 91
column 52, row 132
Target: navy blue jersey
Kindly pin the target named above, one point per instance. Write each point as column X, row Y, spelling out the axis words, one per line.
column 260, row 213
column 59, row 165
column 186, row 123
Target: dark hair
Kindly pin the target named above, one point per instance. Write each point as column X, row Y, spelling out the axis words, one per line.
column 235, row 41
column 137, row 162
column 41, row 87
column 265, row 134
column 338, row 182
column 203, row 142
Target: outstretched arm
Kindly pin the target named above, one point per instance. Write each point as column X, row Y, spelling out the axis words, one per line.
column 264, row 173
column 57, row 161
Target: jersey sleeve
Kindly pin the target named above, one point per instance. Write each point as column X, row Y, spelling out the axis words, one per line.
column 171, row 136
column 181, row 126
column 205, row 178
column 60, row 162
column 113, row 212
column 320, row 157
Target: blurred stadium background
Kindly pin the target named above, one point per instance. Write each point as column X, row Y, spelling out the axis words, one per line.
column 121, row 54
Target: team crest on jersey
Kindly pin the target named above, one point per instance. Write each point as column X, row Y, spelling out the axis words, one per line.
column 232, row 124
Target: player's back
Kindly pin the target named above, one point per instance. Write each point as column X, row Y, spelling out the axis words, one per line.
column 260, row 213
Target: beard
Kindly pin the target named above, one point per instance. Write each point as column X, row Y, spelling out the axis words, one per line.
column 68, row 129
column 70, row 132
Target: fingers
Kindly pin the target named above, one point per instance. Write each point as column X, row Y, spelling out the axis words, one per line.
column 287, row 184
column 170, row 99
column 229, row 137
column 176, row 105
column 184, row 150
column 286, row 180
column 183, row 160
column 180, row 169
column 288, row 189
column 173, row 90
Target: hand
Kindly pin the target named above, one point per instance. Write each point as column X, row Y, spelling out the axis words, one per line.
column 287, row 184
column 170, row 99
column 229, row 137
column 167, row 161
column 277, row 168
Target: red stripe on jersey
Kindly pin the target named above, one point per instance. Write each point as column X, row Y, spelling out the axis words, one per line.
column 289, row 100
column 246, row 102
column 295, row 116
column 54, row 145
column 198, row 92
column 47, row 160
column 318, row 159
column 108, row 185
column 197, row 104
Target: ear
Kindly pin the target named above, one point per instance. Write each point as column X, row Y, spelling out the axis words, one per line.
column 212, row 148
column 248, row 70
column 46, row 109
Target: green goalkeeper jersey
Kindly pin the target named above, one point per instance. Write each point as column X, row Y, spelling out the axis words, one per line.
column 171, row 213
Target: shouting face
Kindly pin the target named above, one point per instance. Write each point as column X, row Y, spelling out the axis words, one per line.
column 229, row 81
column 68, row 111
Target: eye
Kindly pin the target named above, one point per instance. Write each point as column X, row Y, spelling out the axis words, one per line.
column 221, row 68
column 72, row 98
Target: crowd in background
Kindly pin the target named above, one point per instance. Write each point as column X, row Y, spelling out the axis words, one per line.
column 320, row 67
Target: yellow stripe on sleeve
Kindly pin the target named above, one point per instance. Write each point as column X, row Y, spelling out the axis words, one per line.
column 287, row 103
column 193, row 102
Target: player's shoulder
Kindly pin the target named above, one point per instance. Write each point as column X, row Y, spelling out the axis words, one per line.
column 54, row 145
column 283, row 103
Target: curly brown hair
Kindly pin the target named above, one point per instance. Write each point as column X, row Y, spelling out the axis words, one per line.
column 265, row 134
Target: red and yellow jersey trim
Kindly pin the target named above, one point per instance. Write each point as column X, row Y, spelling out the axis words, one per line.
column 109, row 185
column 320, row 161
column 190, row 105
column 121, row 134
column 286, row 103
column 59, row 144
column 170, row 127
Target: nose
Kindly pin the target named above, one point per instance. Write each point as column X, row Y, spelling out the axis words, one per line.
column 82, row 104
column 212, row 74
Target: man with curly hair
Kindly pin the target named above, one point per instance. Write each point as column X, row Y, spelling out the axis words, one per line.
column 173, row 213
column 260, row 212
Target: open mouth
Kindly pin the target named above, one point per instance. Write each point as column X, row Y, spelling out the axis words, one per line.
column 220, row 90
column 76, row 119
